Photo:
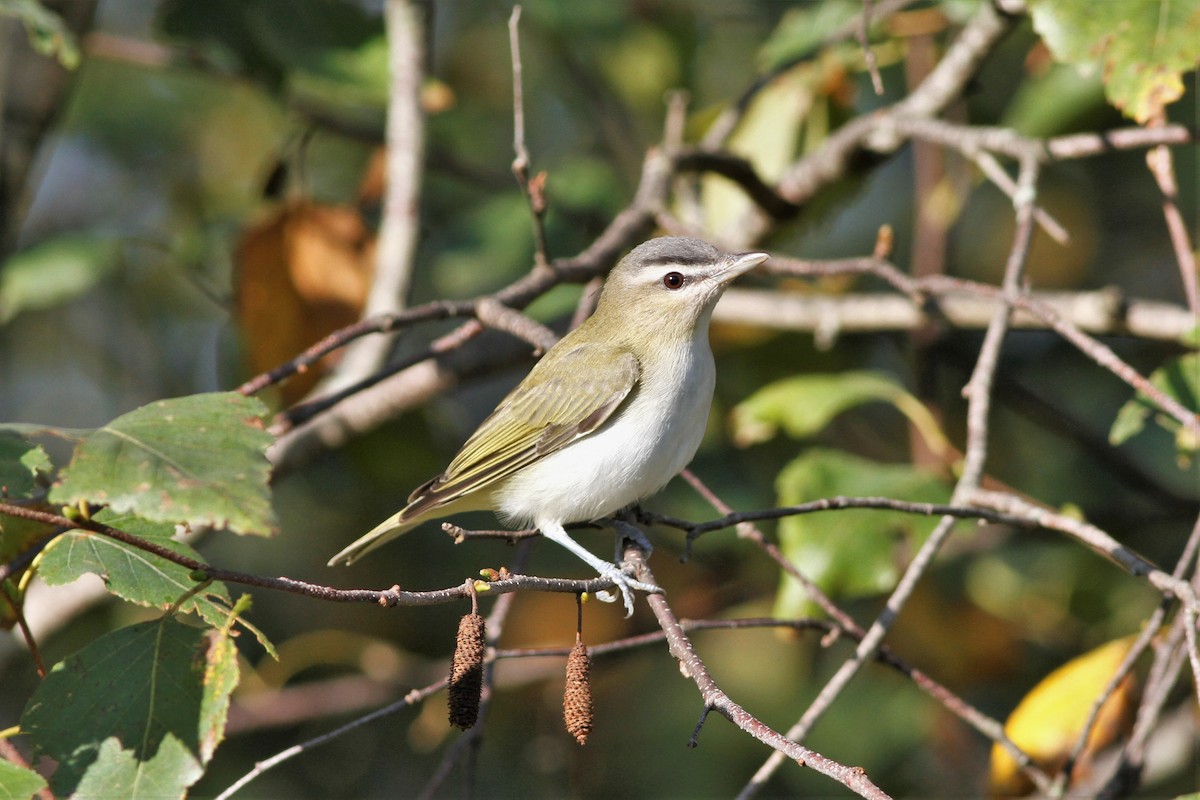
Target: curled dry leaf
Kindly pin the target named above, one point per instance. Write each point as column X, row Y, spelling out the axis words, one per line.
column 301, row 273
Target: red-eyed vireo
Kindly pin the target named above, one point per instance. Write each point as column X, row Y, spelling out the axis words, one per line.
column 608, row 416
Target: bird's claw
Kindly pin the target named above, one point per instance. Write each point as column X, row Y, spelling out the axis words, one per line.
column 625, row 584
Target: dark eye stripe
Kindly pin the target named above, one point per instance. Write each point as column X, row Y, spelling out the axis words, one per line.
column 680, row 259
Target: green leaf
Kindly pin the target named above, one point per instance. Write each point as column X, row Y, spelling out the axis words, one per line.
column 198, row 460
column 1179, row 378
column 804, row 28
column 20, row 462
column 1141, row 47
column 18, row 783
column 1054, row 103
column 18, row 534
column 854, row 552
column 54, row 271
column 136, row 575
column 805, row 404
column 45, row 29
column 137, row 713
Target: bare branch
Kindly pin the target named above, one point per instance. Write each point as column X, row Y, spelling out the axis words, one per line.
column 989, row 727
column 533, row 189
column 410, row 699
column 1163, row 168
column 853, row 778
column 398, row 228
column 1103, row 312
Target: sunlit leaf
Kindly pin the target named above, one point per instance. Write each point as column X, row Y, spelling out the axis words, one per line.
column 198, row 459
column 1141, row 47
column 768, row 137
column 18, row 783
column 1049, row 720
column 137, row 713
column 852, row 552
column 802, row 406
column 136, row 575
column 1179, row 378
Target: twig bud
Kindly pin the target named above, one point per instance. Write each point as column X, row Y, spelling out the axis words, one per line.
column 577, row 696
column 466, row 671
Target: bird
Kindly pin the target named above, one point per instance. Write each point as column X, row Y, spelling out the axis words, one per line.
column 605, row 418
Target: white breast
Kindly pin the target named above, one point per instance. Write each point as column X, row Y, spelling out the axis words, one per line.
column 631, row 456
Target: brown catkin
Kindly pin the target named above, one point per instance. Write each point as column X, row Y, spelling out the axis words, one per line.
column 466, row 672
column 577, row 697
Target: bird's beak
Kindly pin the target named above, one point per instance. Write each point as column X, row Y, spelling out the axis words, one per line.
column 740, row 264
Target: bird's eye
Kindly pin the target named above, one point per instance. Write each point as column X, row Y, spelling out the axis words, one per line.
column 673, row 280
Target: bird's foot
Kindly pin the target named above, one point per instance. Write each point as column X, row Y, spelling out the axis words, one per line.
column 625, row 584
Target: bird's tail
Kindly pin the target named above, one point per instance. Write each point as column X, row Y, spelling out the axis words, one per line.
column 382, row 533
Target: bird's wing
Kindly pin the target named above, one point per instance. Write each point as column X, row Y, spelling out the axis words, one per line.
column 562, row 399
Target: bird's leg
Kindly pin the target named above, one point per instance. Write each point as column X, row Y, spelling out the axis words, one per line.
column 609, row 571
column 622, row 523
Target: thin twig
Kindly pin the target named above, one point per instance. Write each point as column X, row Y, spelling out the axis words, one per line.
column 500, row 317
column 534, row 188
column 466, row 747
column 1150, row 630
column 30, row 642
column 853, row 778
column 988, row 726
column 412, row 698
column 978, row 392
column 388, row 598
column 1162, row 166
column 864, row 41
column 697, row 529
column 1093, row 537
column 10, row 753
column 723, row 127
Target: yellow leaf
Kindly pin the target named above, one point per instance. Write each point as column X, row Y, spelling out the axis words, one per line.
column 1048, row 721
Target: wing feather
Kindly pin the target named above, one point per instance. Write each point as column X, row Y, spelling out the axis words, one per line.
column 564, row 398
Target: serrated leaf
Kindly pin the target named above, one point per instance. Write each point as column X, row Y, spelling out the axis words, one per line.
column 198, row 460
column 18, row 783
column 135, row 714
column 1049, row 720
column 1142, row 47
column 136, row 575
column 20, row 462
column 853, row 552
column 802, row 406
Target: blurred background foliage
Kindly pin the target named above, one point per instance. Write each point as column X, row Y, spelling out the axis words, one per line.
column 212, row 170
